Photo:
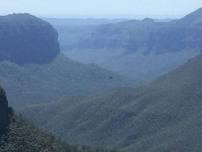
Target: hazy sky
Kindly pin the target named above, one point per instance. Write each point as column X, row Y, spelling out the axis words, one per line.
column 101, row 8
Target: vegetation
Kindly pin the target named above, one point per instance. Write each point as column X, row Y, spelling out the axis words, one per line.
column 31, row 84
column 19, row 135
column 162, row 116
column 22, row 136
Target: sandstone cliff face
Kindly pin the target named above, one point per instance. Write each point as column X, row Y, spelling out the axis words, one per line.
column 25, row 39
column 3, row 110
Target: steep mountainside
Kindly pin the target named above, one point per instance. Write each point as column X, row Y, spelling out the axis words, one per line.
column 3, row 111
column 162, row 116
column 23, row 136
column 27, row 39
column 136, row 48
column 19, row 135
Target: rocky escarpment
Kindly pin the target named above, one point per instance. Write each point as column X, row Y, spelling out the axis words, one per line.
column 3, row 110
column 147, row 35
column 27, row 39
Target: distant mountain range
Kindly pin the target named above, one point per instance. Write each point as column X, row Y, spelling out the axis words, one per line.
column 81, row 21
column 135, row 48
column 164, row 115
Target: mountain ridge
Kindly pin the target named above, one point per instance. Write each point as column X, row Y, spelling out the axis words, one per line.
column 193, row 18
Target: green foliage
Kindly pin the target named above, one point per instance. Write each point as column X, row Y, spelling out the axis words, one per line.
column 22, row 136
column 31, row 84
column 162, row 116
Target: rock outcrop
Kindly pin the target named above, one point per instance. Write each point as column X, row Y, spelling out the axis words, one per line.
column 25, row 39
column 3, row 110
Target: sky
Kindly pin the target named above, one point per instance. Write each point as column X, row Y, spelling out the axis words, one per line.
column 101, row 8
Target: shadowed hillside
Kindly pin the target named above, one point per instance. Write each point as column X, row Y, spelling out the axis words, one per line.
column 162, row 116
column 4, row 121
